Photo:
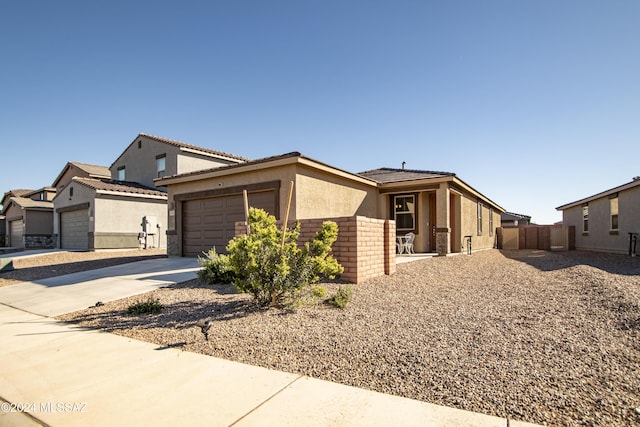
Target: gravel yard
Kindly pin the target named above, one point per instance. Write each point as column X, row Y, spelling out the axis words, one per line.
column 536, row 336
column 59, row 263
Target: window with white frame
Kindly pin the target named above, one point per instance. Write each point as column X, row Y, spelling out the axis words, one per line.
column 161, row 163
column 479, row 218
column 121, row 174
column 585, row 218
column 405, row 212
column 613, row 209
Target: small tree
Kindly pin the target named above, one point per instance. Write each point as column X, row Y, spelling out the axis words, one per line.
column 270, row 270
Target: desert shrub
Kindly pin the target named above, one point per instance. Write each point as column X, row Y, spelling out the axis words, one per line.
column 150, row 306
column 215, row 268
column 319, row 291
column 342, row 296
column 271, row 271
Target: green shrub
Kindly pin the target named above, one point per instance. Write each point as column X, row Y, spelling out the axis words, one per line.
column 342, row 296
column 216, row 268
column 271, row 271
column 150, row 306
column 319, row 291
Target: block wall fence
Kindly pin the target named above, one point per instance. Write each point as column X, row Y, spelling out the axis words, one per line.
column 366, row 247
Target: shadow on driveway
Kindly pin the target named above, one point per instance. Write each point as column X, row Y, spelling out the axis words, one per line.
column 31, row 274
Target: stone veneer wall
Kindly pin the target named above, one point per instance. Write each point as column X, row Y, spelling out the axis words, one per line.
column 365, row 247
column 39, row 241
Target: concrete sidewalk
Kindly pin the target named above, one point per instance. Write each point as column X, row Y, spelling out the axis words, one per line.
column 64, row 375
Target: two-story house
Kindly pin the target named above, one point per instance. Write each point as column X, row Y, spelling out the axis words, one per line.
column 126, row 210
column 29, row 218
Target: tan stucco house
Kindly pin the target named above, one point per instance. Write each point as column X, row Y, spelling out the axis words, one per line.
column 120, row 207
column 95, row 213
column 82, row 170
column 603, row 221
column 150, row 157
column 438, row 207
column 29, row 218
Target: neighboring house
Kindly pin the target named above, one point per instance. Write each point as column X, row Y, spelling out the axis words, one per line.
column 439, row 208
column 29, row 218
column 508, row 219
column 603, row 221
column 150, row 157
column 3, row 230
column 4, row 240
column 82, row 170
column 94, row 211
column 105, row 214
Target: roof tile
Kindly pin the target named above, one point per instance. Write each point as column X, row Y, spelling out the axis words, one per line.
column 118, row 186
column 386, row 175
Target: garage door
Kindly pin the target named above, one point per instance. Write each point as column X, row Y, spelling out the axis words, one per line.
column 16, row 231
column 208, row 223
column 74, row 229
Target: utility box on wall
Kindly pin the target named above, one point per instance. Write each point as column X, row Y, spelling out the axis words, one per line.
column 150, row 224
column 150, row 232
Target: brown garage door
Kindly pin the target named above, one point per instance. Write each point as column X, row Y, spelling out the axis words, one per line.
column 208, row 223
column 16, row 231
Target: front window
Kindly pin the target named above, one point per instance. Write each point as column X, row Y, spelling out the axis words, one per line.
column 121, row 174
column 479, row 218
column 585, row 219
column 613, row 207
column 490, row 221
column 161, row 162
column 404, row 210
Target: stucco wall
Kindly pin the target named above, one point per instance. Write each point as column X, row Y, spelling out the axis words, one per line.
column 191, row 162
column 140, row 163
column 600, row 236
column 320, row 195
column 13, row 212
column 117, row 221
column 469, row 214
column 67, row 176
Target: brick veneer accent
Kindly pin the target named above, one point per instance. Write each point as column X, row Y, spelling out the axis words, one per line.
column 366, row 247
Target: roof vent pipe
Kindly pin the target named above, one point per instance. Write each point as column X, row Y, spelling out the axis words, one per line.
column 403, row 163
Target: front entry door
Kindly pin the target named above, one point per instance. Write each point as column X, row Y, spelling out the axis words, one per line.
column 432, row 222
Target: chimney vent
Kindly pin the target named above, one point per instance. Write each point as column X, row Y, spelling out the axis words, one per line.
column 404, row 163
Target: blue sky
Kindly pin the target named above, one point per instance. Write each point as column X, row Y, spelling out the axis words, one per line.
column 533, row 103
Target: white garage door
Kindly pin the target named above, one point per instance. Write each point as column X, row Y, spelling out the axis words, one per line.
column 74, row 229
column 208, row 223
column 16, row 231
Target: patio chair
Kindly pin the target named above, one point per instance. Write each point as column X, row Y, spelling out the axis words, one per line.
column 407, row 244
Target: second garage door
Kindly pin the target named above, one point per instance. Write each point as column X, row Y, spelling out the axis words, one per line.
column 208, row 223
column 16, row 231
column 74, row 229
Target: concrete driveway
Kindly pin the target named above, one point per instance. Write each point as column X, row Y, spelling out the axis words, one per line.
column 72, row 292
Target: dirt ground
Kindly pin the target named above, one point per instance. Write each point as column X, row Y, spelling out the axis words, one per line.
column 545, row 337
